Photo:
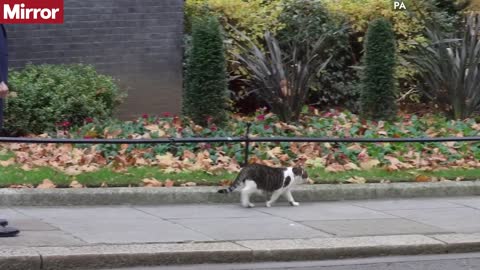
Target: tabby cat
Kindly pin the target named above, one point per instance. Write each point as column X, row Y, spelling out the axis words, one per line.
column 256, row 178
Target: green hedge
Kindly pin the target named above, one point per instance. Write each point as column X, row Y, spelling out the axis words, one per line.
column 46, row 96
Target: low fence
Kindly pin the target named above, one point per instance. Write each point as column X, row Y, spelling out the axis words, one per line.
column 247, row 139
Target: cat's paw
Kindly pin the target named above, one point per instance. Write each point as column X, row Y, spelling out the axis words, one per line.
column 294, row 203
column 249, row 205
column 268, row 204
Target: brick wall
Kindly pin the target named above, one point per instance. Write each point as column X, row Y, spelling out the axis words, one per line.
column 139, row 42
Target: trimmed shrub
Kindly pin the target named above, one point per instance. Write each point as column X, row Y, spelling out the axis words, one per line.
column 205, row 94
column 450, row 68
column 408, row 28
column 281, row 79
column 378, row 97
column 42, row 96
column 306, row 22
column 253, row 18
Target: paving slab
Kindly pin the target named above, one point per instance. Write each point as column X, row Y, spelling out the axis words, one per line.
column 114, row 225
column 250, row 228
column 200, row 211
column 460, row 220
column 359, row 227
column 23, row 221
column 324, row 211
column 95, row 237
column 473, row 202
column 404, row 204
column 41, row 238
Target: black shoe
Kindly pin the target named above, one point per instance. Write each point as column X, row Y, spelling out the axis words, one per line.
column 8, row 231
column 3, row 222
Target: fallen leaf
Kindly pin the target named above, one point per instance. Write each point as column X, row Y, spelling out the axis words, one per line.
column 104, row 185
column 169, row 183
column 335, row 167
column 6, row 163
column 367, row 165
column 76, row 184
column 46, row 184
column 151, row 183
column 423, row 178
column 26, row 167
column 357, row 180
column 165, row 161
column 188, row 155
column 21, row 186
column 188, row 184
column 274, row 152
column 351, row 166
column 392, row 168
column 171, row 170
column 355, row 147
column 316, row 162
column 72, row 171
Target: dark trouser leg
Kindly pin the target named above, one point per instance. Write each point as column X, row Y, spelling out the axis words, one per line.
column 1, row 114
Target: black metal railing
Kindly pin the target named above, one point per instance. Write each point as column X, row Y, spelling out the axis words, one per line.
column 244, row 139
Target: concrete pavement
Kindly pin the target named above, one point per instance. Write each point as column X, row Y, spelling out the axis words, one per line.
column 117, row 236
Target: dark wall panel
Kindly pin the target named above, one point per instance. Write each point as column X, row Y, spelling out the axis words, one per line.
column 139, row 42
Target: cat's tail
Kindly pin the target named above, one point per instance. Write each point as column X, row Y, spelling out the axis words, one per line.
column 227, row 190
column 234, row 185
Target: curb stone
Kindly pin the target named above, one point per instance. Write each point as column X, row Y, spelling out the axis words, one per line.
column 19, row 258
column 188, row 195
column 133, row 255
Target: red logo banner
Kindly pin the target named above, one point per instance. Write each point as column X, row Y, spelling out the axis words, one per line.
column 31, row 11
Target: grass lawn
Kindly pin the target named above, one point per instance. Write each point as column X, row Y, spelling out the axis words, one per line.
column 13, row 175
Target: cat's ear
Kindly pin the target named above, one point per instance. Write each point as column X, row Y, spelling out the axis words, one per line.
column 297, row 171
column 304, row 174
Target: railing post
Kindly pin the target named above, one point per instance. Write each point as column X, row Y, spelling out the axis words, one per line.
column 247, row 145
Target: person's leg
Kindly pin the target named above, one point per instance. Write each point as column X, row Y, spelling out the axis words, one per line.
column 2, row 130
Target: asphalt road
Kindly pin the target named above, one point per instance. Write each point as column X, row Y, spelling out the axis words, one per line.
column 467, row 261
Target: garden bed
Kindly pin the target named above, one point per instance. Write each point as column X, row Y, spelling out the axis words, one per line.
column 207, row 164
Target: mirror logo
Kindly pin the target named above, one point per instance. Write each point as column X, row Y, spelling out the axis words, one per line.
column 31, row 11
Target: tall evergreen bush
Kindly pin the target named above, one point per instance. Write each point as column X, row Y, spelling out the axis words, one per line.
column 378, row 97
column 205, row 94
